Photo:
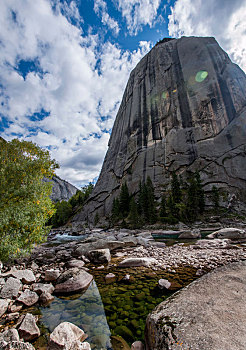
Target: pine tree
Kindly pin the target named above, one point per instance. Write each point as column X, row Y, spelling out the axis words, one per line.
column 171, row 206
column 163, row 209
column 175, row 189
column 133, row 214
column 200, row 193
column 140, row 199
column 215, row 198
column 115, row 210
column 192, row 204
column 124, row 200
column 152, row 216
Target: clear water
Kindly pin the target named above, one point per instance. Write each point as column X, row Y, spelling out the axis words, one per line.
column 85, row 311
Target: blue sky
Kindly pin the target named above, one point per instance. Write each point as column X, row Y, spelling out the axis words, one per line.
column 64, row 66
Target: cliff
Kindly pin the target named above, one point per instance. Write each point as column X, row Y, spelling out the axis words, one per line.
column 61, row 190
column 183, row 109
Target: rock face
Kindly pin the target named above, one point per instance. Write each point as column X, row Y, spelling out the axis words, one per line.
column 204, row 315
column 183, row 109
column 61, row 190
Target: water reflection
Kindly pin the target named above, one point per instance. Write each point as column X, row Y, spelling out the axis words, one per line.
column 85, row 311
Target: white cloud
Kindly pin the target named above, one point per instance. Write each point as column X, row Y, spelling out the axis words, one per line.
column 138, row 13
column 100, row 8
column 223, row 19
column 77, row 80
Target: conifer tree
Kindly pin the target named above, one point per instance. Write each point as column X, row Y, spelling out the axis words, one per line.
column 215, row 198
column 152, row 216
column 175, row 188
column 115, row 210
column 171, row 206
column 133, row 214
column 163, row 209
column 192, row 204
column 140, row 199
column 124, row 200
column 200, row 193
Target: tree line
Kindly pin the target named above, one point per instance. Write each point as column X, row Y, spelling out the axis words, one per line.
column 185, row 201
column 66, row 209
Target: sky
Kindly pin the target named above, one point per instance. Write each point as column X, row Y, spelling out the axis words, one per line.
column 64, row 65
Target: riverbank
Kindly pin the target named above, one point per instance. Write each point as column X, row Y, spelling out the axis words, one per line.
column 127, row 267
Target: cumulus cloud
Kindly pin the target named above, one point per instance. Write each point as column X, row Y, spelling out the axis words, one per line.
column 100, row 8
column 138, row 13
column 223, row 19
column 75, row 82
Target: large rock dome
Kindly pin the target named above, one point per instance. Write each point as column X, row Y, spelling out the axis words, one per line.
column 183, row 109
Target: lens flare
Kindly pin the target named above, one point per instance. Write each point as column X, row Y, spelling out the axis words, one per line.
column 165, row 95
column 200, row 76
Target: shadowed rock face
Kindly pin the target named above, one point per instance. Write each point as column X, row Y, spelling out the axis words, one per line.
column 183, row 109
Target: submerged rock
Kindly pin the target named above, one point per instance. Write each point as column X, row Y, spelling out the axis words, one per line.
column 210, row 313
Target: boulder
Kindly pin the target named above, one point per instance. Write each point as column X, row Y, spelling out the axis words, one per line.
column 28, row 298
column 19, row 345
column 51, row 275
column 64, row 335
column 28, row 329
column 164, row 284
column 26, row 276
column 229, row 233
column 190, row 234
column 110, row 278
column 135, row 262
column 11, row 288
column 8, row 336
column 4, row 303
column 212, row 243
column 46, row 298
column 75, row 263
column 207, row 314
column 39, row 288
column 137, row 345
column 100, row 256
column 77, row 345
column 75, row 284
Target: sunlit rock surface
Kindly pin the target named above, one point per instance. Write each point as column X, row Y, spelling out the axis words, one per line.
column 183, row 109
column 209, row 313
column 61, row 190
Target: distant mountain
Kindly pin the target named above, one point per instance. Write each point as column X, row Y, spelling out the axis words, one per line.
column 183, row 109
column 61, row 190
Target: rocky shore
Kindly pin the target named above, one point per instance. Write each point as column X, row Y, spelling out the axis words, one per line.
column 70, row 267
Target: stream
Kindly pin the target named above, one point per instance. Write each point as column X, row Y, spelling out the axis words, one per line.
column 116, row 309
